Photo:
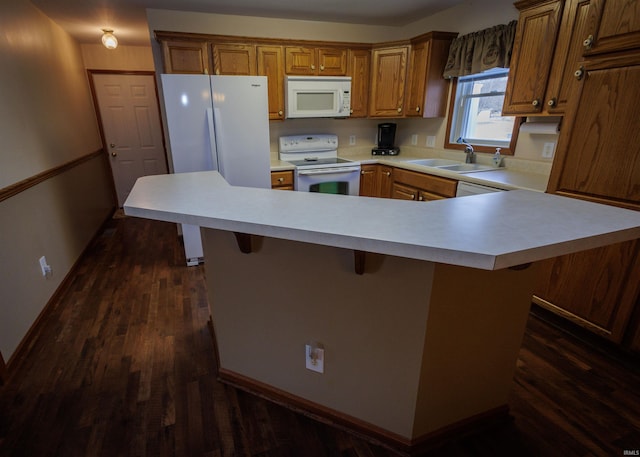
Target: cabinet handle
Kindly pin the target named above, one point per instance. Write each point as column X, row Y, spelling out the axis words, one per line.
column 313, row 67
column 114, row 154
column 388, row 173
column 351, row 111
column 280, row 113
column 206, row 71
column 417, row 109
column 400, row 109
column 588, row 42
column 217, row 72
column 421, row 198
column 553, row 102
column 321, row 67
column 579, row 73
column 280, row 179
column 536, row 102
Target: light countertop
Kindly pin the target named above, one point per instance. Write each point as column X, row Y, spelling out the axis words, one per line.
column 487, row 231
column 517, row 174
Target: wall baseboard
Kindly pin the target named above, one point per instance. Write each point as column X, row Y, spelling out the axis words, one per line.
column 362, row 429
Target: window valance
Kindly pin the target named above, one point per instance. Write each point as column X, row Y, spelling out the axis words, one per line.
column 480, row 51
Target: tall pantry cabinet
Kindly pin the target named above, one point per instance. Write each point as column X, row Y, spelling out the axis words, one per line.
column 598, row 159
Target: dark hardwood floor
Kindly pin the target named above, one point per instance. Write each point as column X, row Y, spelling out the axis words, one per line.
column 124, row 365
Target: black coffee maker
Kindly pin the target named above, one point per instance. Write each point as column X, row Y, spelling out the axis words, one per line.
column 386, row 140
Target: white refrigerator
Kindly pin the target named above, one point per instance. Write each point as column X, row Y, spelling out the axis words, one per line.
column 217, row 123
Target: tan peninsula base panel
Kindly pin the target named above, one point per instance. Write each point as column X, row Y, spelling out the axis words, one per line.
column 411, row 347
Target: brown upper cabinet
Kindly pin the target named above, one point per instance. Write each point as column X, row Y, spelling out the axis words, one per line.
column 389, row 74
column 547, row 49
column 614, row 25
column 427, row 90
column 533, row 47
column 271, row 64
column 234, row 59
column 186, row 56
column 315, row 61
column 359, row 69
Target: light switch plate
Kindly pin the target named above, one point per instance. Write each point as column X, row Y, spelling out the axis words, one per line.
column 431, row 141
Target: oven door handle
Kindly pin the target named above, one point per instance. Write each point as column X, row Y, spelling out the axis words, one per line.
column 328, row 171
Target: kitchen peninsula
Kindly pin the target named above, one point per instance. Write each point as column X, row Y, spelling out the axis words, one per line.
column 420, row 307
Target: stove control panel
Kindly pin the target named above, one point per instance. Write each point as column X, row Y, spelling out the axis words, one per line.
column 303, row 143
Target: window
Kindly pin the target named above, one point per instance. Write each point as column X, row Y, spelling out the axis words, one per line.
column 475, row 112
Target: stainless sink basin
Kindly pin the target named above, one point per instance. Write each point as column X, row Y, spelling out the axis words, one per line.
column 466, row 167
column 434, row 162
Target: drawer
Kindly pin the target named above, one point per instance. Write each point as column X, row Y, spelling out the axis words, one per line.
column 282, row 179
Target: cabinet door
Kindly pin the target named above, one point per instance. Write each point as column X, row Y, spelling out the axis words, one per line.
column 388, row 81
column 563, row 84
column 533, row 49
column 596, row 289
column 189, row 57
column 234, row 59
column 427, row 90
column 598, row 154
column 359, row 70
column 332, row 62
column 271, row 65
column 417, row 79
column 300, row 61
column 369, row 180
column 385, row 181
column 402, row 192
column 614, row 25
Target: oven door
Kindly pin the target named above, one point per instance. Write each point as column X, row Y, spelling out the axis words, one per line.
column 332, row 180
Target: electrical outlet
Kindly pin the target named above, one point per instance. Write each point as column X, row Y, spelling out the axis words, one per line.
column 352, row 140
column 414, row 140
column 547, row 150
column 45, row 267
column 431, row 141
column 314, row 358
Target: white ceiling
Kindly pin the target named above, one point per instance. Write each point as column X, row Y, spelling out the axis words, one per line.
column 83, row 19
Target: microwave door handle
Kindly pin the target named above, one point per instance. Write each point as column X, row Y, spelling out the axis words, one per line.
column 340, row 101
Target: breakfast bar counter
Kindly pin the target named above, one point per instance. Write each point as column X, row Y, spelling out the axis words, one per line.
column 420, row 308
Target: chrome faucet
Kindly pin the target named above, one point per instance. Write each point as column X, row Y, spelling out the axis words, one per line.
column 468, row 149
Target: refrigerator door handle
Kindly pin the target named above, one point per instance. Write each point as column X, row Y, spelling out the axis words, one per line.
column 212, row 139
column 219, row 139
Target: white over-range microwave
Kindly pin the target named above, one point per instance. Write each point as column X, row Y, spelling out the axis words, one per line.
column 318, row 96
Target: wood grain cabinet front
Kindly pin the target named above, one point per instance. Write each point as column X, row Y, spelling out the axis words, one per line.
column 282, row 180
column 234, row 59
column 597, row 160
column 388, row 80
column 315, row 61
column 613, row 26
column 376, row 180
column 185, row 56
column 359, row 68
column 427, row 90
column 271, row 65
column 410, row 185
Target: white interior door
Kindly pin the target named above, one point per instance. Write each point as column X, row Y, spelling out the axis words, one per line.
column 132, row 128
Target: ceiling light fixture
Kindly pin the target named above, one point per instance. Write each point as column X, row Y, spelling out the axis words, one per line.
column 109, row 40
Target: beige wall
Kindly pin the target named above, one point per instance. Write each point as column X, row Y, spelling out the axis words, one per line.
column 46, row 120
column 465, row 18
column 132, row 58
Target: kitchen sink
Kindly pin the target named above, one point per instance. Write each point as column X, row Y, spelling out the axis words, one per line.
column 466, row 167
column 434, row 162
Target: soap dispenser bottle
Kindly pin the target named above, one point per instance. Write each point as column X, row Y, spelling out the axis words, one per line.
column 497, row 158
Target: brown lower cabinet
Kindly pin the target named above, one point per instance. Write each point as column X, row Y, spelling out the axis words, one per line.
column 410, row 185
column 282, row 180
column 376, row 180
column 596, row 289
